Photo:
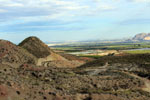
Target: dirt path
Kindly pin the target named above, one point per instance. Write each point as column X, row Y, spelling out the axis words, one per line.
column 96, row 71
column 145, row 80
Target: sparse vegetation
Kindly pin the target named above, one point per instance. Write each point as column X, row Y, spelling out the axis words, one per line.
column 121, row 77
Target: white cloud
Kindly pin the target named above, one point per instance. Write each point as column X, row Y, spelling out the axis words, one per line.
column 106, row 7
column 35, row 10
column 15, row 5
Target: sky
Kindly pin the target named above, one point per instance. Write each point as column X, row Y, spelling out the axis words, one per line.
column 73, row 20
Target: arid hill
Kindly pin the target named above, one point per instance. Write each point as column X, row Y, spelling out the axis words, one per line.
column 46, row 57
column 36, row 47
column 135, row 63
column 14, row 55
column 125, row 59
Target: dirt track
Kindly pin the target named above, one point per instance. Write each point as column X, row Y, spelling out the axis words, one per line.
column 145, row 80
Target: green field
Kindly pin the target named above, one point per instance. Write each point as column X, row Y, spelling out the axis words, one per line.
column 123, row 47
column 103, row 46
column 137, row 51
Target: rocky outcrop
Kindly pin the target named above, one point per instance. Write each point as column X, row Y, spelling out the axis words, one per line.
column 141, row 37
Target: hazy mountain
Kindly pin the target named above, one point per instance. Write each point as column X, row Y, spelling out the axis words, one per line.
column 142, row 37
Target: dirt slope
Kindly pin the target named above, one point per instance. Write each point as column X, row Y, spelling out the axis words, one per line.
column 29, row 82
column 14, row 55
column 124, row 59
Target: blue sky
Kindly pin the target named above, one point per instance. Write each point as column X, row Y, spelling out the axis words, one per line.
column 65, row 20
